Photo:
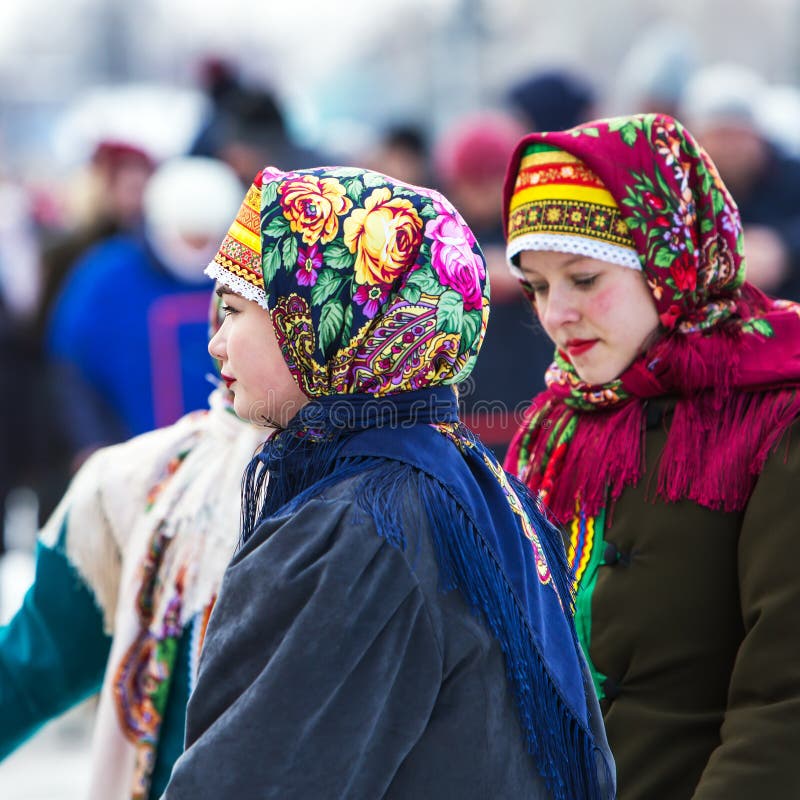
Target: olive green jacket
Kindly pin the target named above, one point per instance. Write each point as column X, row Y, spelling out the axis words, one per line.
column 692, row 620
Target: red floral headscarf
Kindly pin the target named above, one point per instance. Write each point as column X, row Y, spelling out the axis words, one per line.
column 729, row 354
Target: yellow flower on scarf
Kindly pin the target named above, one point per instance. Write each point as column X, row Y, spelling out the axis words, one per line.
column 313, row 207
column 385, row 236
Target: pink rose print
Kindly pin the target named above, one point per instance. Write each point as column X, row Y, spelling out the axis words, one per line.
column 453, row 259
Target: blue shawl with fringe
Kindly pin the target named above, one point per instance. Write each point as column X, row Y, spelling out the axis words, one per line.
column 513, row 575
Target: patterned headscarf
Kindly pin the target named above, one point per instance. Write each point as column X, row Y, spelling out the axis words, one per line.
column 720, row 336
column 372, row 285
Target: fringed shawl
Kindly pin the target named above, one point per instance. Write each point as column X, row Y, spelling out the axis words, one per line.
column 378, row 295
column 492, row 545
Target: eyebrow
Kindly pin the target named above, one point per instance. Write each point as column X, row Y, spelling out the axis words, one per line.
column 222, row 290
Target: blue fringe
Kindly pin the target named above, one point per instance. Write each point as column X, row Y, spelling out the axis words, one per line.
column 564, row 749
column 306, row 451
column 289, row 463
column 564, row 752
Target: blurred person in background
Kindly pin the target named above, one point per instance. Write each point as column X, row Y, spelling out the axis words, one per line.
column 470, row 160
column 720, row 104
column 127, row 571
column 247, row 127
column 553, row 99
column 401, row 151
column 667, row 444
column 131, row 320
column 20, row 280
column 107, row 201
column 653, row 73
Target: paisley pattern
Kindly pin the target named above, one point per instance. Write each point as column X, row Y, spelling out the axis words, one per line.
column 373, row 285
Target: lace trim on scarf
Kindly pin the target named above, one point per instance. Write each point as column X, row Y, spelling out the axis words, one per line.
column 575, row 245
column 237, row 284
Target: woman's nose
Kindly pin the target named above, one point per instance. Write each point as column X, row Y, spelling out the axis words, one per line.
column 216, row 346
column 559, row 308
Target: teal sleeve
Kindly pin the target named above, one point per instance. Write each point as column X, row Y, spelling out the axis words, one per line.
column 53, row 652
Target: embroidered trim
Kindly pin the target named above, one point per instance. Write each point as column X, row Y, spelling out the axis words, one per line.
column 237, row 284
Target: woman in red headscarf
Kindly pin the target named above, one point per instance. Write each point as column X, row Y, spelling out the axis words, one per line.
column 663, row 444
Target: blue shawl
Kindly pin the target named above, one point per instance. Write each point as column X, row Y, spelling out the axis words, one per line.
column 515, row 576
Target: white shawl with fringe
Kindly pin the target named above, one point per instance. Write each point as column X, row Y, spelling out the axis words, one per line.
column 111, row 519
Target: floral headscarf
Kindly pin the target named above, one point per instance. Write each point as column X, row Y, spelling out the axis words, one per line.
column 721, row 336
column 372, row 285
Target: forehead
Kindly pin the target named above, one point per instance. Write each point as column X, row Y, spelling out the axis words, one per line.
column 550, row 260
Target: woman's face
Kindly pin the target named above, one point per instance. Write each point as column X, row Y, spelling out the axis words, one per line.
column 252, row 366
column 600, row 315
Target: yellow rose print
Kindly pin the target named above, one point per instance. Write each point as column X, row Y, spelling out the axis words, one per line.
column 385, row 237
column 313, row 206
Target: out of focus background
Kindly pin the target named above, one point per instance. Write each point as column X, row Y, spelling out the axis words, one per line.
column 129, row 132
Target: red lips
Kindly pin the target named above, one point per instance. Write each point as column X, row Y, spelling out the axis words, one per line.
column 227, row 380
column 577, row 346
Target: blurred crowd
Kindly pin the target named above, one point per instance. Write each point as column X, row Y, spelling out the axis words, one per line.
column 103, row 302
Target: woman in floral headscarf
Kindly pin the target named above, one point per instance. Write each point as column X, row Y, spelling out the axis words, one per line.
column 397, row 621
column 663, row 443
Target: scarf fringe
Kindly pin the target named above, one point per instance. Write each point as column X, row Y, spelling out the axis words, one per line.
column 289, row 462
column 714, row 456
column 465, row 563
column 561, row 748
column 718, row 441
column 604, row 455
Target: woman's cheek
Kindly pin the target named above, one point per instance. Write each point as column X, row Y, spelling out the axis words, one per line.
column 605, row 301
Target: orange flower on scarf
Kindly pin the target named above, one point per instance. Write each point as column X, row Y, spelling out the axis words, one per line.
column 385, row 236
column 313, row 207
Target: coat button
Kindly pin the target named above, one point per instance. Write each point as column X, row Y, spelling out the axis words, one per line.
column 612, row 556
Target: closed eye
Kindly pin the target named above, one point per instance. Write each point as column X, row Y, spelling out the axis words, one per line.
column 585, row 282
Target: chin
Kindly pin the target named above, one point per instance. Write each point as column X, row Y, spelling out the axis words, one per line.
column 596, row 377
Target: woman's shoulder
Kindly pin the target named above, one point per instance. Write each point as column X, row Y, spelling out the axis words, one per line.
column 370, row 514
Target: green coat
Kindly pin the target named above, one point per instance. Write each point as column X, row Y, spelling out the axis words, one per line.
column 692, row 620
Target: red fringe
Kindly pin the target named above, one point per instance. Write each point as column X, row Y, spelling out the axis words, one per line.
column 606, row 451
column 718, row 440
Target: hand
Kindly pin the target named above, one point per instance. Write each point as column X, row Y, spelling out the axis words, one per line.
column 766, row 258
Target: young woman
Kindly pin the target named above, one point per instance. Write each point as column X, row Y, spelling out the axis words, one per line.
column 666, row 443
column 397, row 620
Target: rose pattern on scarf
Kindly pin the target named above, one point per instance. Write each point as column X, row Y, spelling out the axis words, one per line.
column 313, row 206
column 342, row 250
column 384, row 236
column 453, row 258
